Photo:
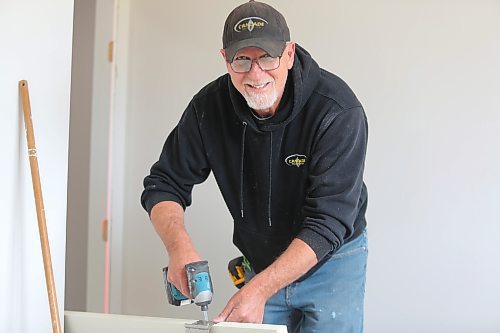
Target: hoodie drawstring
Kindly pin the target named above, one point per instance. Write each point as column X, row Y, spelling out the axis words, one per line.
column 270, row 175
column 241, row 166
column 270, row 181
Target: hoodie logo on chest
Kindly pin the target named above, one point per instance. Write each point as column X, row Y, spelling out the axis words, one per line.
column 296, row 160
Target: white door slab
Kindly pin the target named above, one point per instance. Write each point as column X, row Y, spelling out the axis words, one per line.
column 84, row 322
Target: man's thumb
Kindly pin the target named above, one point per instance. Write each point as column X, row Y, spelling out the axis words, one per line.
column 223, row 315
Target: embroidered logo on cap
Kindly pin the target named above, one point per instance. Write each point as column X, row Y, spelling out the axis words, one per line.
column 296, row 160
column 250, row 23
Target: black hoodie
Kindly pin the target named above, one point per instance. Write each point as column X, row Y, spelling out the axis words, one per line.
column 298, row 174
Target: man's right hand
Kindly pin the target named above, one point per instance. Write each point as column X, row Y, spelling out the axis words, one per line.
column 168, row 219
column 176, row 271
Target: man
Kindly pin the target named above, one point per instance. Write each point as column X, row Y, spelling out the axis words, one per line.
column 286, row 142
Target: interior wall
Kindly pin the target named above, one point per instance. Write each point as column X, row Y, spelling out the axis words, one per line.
column 79, row 155
column 428, row 75
column 36, row 48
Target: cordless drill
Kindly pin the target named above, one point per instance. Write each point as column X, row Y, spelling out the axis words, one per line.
column 200, row 287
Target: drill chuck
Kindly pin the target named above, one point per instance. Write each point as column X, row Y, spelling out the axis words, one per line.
column 199, row 282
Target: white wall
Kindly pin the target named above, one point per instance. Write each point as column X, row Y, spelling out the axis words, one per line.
column 428, row 75
column 79, row 155
column 35, row 45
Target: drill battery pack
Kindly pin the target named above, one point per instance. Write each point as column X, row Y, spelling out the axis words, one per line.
column 174, row 296
column 236, row 269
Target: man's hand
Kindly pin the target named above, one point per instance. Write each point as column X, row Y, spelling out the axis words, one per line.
column 168, row 219
column 176, row 271
column 246, row 306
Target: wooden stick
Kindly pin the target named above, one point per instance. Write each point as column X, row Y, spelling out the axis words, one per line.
column 40, row 210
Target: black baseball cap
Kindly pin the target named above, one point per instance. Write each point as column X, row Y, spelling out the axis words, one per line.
column 255, row 24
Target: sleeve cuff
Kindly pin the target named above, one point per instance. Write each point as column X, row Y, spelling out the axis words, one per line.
column 154, row 198
column 320, row 245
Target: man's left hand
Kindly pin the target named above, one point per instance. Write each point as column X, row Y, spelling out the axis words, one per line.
column 246, row 306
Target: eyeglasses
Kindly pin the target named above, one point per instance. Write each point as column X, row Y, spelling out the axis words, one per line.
column 244, row 65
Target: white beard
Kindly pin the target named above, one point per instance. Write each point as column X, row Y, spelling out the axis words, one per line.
column 261, row 101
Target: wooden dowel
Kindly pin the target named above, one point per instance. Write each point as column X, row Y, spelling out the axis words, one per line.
column 40, row 211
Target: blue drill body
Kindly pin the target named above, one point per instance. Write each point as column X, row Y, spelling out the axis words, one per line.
column 200, row 287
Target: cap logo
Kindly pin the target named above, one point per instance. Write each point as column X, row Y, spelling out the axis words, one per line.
column 250, row 23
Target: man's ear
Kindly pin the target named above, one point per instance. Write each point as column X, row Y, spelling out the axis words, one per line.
column 223, row 53
column 290, row 50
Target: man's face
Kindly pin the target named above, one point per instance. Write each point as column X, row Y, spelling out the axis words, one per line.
column 262, row 89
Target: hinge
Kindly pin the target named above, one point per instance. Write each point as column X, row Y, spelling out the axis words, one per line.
column 104, row 230
column 110, row 51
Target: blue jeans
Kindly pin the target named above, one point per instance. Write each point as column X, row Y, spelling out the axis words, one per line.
column 330, row 300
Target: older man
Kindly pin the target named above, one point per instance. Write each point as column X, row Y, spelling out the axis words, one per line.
column 286, row 141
